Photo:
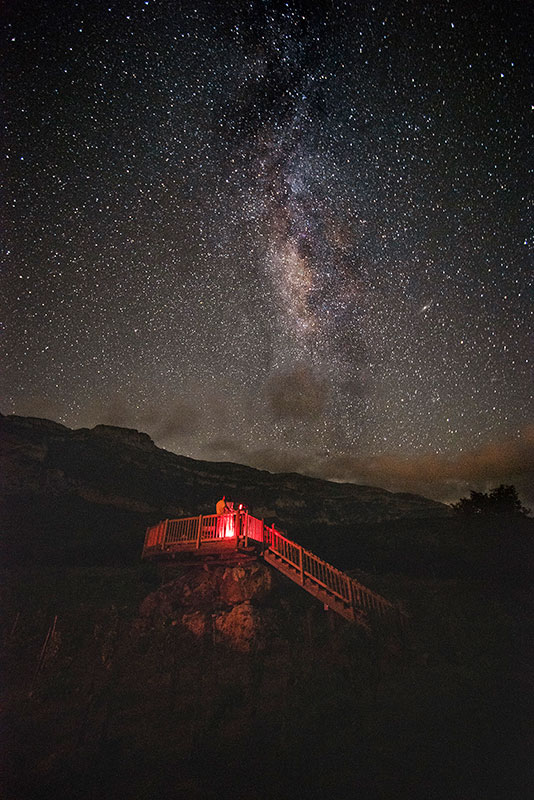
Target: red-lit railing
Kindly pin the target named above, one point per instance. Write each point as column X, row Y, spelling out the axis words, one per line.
column 173, row 535
column 323, row 574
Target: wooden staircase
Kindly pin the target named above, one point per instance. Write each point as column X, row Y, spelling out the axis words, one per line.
column 337, row 590
column 327, row 598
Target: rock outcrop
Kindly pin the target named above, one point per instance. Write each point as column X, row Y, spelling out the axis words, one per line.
column 232, row 604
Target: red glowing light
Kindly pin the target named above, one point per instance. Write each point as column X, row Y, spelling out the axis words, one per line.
column 225, row 526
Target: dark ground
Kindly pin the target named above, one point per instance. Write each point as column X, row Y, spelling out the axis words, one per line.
column 324, row 710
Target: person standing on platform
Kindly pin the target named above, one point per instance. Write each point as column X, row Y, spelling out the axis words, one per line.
column 225, row 521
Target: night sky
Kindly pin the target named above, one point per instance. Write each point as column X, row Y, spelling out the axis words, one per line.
column 292, row 235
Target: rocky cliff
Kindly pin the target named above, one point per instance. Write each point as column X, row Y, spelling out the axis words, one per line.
column 114, row 482
column 233, row 605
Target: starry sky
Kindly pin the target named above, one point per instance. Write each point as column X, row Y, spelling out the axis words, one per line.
column 287, row 234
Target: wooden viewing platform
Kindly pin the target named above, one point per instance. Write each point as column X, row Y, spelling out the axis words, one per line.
column 239, row 530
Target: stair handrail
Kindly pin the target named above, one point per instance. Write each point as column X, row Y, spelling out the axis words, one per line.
column 326, row 575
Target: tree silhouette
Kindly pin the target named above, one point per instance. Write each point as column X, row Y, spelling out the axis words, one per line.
column 501, row 500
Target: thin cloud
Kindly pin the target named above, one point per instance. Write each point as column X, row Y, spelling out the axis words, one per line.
column 441, row 477
column 435, row 476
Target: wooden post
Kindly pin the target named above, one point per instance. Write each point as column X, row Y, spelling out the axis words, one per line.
column 145, row 543
column 164, row 537
column 199, row 531
column 301, row 565
column 15, row 624
column 42, row 654
column 263, row 536
column 351, row 594
column 245, row 517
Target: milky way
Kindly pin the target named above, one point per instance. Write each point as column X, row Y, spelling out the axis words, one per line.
column 277, row 233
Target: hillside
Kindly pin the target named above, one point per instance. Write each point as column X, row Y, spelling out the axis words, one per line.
column 217, row 682
column 95, row 491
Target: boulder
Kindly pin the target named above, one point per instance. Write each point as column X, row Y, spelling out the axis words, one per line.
column 242, row 628
column 242, row 583
column 224, row 594
column 197, row 622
